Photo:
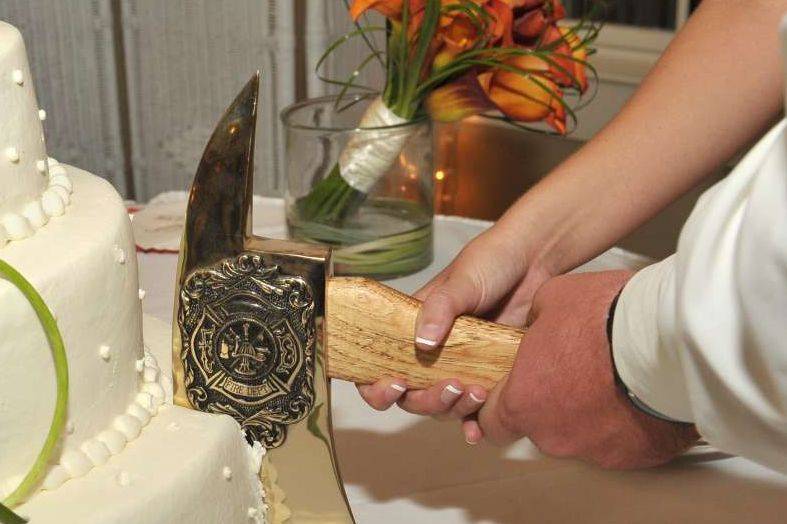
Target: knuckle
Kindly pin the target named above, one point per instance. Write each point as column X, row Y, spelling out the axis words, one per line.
column 511, row 415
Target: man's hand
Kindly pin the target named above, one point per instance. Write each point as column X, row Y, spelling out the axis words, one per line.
column 561, row 392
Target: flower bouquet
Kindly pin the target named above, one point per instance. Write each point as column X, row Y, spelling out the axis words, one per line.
column 451, row 59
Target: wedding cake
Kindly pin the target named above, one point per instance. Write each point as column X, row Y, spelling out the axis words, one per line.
column 127, row 455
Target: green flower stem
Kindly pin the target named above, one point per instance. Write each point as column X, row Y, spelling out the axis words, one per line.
column 55, row 340
column 9, row 517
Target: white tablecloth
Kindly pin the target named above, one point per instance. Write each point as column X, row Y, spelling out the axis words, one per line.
column 400, row 468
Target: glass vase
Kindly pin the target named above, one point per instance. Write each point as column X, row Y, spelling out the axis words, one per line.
column 386, row 230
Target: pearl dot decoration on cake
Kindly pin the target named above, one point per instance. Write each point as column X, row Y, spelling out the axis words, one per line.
column 18, row 77
column 120, row 255
column 139, row 364
column 104, row 352
column 226, row 473
column 142, row 294
column 36, row 213
column 125, row 428
column 69, row 427
column 123, row 478
column 12, row 154
column 252, row 512
column 41, row 115
column 41, row 166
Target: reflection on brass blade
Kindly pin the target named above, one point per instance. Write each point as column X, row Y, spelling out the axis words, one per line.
column 218, row 218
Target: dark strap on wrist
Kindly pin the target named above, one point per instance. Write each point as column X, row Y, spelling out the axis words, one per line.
column 635, row 400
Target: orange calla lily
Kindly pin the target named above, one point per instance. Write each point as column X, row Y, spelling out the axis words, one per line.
column 461, row 98
column 528, row 97
column 569, row 55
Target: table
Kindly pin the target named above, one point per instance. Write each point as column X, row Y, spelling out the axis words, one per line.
column 400, row 468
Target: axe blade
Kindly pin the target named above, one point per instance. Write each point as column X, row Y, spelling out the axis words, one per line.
column 247, row 327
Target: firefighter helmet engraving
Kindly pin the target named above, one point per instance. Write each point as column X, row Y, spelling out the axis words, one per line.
column 248, row 345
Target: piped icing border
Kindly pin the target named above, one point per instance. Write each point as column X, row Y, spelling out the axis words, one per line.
column 125, row 428
column 52, row 202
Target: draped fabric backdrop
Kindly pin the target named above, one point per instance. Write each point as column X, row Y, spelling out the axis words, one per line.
column 133, row 88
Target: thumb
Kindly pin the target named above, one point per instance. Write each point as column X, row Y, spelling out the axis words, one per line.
column 447, row 300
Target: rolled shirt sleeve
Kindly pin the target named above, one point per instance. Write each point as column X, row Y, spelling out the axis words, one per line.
column 702, row 335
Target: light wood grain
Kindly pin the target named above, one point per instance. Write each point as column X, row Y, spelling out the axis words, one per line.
column 370, row 329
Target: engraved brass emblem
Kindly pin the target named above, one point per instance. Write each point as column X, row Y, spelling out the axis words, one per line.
column 248, row 345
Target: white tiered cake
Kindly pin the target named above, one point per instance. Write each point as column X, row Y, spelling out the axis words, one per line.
column 127, row 455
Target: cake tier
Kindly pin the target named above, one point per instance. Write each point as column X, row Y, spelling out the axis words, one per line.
column 24, row 175
column 83, row 264
column 185, row 466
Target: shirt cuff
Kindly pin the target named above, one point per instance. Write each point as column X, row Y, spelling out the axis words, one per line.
column 644, row 345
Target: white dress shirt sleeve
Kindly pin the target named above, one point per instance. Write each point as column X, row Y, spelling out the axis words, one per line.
column 702, row 335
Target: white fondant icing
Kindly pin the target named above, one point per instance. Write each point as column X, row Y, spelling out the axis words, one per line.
column 62, row 180
column 55, row 478
column 154, row 390
column 123, row 479
column 37, row 212
column 96, row 451
column 175, row 477
column 173, row 426
column 12, row 154
column 17, row 226
column 114, row 440
column 75, row 462
column 120, row 255
column 62, row 192
column 139, row 413
column 34, row 213
column 20, row 130
column 128, row 425
column 53, row 203
column 95, row 305
column 150, row 374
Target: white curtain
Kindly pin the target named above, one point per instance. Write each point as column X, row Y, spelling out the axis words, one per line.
column 133, row 88
column 70, row 45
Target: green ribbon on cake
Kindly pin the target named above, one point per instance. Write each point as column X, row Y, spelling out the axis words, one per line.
column 55, row 340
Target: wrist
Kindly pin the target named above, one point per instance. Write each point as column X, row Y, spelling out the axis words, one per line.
column 638, row 403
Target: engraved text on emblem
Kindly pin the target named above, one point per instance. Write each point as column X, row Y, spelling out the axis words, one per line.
column 248, row 340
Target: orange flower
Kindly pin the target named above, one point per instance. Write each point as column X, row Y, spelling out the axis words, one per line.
column 568, row 55
column 532, row 17
column 527, row 97
column 458, row 32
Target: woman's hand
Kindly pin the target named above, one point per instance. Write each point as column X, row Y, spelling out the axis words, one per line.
column 491, row 277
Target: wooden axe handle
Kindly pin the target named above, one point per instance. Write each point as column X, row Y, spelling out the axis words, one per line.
column 370, row 330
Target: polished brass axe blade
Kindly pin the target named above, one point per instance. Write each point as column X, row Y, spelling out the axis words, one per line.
column 247, row 330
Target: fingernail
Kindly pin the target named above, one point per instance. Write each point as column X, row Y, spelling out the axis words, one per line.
column 449, row 394
column 427, row 335
column 394, row 392
column 476, row 399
